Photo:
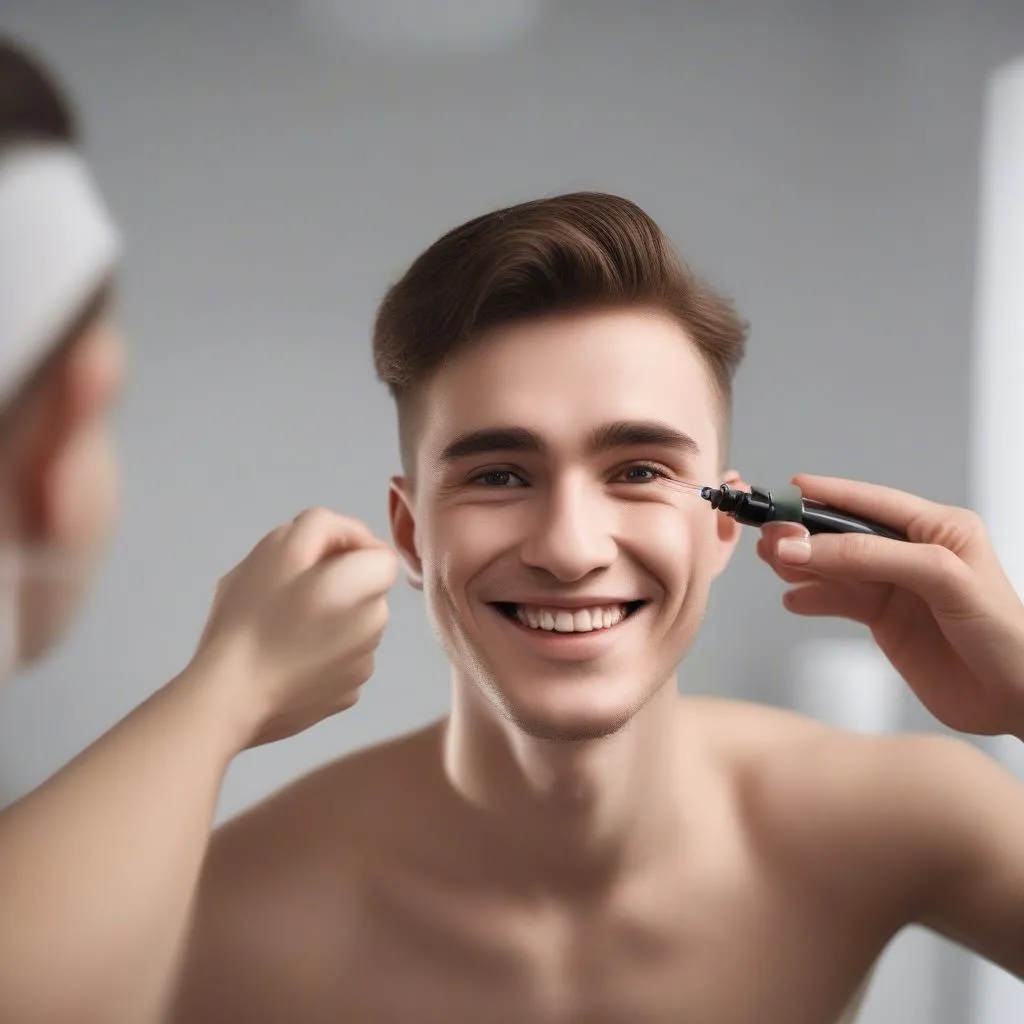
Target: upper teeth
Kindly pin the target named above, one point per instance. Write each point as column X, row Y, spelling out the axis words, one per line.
column 562, row 620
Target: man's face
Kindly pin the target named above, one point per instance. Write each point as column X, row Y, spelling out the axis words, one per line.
column 563, row 577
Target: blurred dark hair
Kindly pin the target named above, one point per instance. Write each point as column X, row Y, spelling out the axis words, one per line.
column 34, row 106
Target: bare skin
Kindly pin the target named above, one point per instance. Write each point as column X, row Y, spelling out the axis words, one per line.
column 575, row 842
column 356, row 895
column 359, row 894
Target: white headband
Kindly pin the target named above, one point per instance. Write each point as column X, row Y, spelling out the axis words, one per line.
column 58, row 244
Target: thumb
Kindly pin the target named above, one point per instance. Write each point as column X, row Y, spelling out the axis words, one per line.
column 932, row 572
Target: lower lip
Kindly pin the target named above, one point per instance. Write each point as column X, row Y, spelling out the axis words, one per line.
column 553, row 644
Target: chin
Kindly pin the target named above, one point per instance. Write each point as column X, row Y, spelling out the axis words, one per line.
column 48, row 609
column 572, row 710
column 570, row 730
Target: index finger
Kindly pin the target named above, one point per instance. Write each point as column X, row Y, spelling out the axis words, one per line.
column 908, row 513
column 358, row 576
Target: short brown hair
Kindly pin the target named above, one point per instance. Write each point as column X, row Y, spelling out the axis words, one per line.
column 570, row 253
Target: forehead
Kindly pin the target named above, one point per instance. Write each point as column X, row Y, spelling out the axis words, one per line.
column 559, row 376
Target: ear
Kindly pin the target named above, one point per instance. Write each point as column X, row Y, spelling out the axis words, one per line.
column 403, row 529
column 94, row 372
column 47, row 426
column 728, row 530
column 67, row 404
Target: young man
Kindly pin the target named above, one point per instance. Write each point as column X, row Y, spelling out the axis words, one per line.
column 99, row 865
column 575, row 841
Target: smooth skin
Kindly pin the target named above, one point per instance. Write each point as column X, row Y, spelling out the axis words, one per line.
column 576, row 841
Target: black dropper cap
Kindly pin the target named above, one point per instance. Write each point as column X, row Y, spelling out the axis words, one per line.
column 752, row 507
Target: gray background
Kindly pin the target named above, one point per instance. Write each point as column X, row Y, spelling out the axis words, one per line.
column 273, row 174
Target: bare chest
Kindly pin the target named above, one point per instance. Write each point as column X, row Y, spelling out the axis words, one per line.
column 713, row 953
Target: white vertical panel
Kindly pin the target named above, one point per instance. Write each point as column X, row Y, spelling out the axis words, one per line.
column 997, row 483
column 848, row 684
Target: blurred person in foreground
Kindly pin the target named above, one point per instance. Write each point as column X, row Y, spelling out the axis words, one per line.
column 575, row 840
column 98, row 866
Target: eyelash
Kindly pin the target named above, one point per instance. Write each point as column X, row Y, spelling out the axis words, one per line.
column 656, row 471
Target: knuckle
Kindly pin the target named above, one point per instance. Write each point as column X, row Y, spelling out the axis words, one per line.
column 960, row 529
column 274, row 537
column 308, row 525
column 941, row 560
column 265, row 546
column 968, row 517
column 314, row 514
column 303, row 532
column 969, row 523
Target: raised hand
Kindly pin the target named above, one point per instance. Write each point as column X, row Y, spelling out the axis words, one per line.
column 295, row 625
column 941, row 608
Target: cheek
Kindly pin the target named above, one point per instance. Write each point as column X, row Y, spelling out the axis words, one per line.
column 85, row 490
column 678, row 547
column 459, row 541
column 454, row 544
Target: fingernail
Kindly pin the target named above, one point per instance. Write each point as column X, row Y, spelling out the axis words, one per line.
column 794, row 550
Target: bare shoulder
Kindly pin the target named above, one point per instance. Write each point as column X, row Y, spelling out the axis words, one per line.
column 738, row 725
column 876, row 816
column 280, row 881
column 795, row 755
column 341, row 800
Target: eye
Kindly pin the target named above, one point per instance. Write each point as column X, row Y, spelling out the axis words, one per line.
column 644, row 473
column 497, row 479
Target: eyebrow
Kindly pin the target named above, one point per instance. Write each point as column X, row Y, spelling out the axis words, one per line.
column 604, row 438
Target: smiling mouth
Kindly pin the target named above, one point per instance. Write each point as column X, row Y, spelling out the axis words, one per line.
column 568, row 621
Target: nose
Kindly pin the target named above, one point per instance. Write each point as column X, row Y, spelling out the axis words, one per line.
column 571, row 536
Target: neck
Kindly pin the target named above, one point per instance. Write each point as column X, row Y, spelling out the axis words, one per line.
column 569, row 814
